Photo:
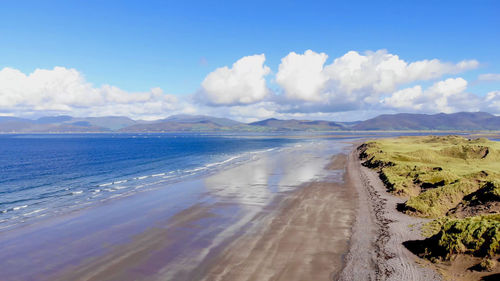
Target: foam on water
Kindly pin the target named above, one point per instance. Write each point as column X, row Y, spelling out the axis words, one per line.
column 19, row 207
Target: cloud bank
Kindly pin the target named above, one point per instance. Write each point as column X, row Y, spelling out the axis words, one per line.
column 306, row 85
column 354, row 77
column 63, row 90
column 444, row 96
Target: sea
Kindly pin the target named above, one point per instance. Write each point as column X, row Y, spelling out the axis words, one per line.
column 43, row 175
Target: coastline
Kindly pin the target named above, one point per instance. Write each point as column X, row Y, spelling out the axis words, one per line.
column 342, row 225
column 376, row 251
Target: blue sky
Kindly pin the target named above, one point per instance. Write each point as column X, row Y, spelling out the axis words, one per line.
column 174, row 45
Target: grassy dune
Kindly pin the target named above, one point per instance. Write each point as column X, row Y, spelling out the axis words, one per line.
column 478, row 236
column 436, row 173
column 452, row 179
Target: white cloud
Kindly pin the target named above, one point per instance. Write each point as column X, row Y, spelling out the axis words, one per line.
column 302, row 76
column 63, row 90
column 354, row 77
column 489, row 77
column 353, row 83
column 244, row 83
column 492, row 102
column 443, row 96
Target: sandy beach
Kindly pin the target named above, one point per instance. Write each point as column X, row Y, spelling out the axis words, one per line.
column 310, row 213
column 290, row 209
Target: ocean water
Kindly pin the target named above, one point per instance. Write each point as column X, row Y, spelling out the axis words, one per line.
column 43, row 175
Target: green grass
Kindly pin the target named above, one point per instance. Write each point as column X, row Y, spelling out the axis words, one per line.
column 478, row 236
column 434, row 172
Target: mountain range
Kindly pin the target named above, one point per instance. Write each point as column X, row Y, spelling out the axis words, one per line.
column 462, row 121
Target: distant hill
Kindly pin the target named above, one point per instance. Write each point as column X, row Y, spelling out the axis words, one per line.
column 184, row 118
column 63, row 124
column 456, row 121
column 53, row 119
column 463, row 121
column 191, row 123
column 299, row 125
column 110, row 122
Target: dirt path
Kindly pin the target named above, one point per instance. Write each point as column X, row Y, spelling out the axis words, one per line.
column 376, row 251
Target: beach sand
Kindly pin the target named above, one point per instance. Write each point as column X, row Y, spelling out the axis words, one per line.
column 290, row 210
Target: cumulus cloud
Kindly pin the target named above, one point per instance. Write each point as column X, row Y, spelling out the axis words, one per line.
column 63, row 90
column 443, row 96
column 302, row 76
column 243, row 83
column 308, row 87
column 355, row 78
column 489, row 77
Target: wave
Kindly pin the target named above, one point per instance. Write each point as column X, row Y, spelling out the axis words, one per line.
column 180, row 173
column 19, row 207
column 35, row 211
column 120, row 181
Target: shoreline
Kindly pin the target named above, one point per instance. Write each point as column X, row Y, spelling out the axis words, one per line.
column 340, row 226
column 302, row 235
column 376, row 251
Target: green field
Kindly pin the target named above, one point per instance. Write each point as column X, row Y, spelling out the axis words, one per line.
column 451, row 178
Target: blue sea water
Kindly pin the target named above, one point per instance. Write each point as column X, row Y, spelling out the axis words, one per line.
column 42, row 175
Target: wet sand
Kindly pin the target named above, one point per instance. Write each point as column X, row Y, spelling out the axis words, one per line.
column 305, row 240
column 302, row 235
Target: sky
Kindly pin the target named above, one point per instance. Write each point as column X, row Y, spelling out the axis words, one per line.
column 248, row 60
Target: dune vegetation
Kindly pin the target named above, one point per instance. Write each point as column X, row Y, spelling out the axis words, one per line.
column 452, row 179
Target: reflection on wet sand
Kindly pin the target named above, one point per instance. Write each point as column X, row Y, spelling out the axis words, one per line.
column 256, row 182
